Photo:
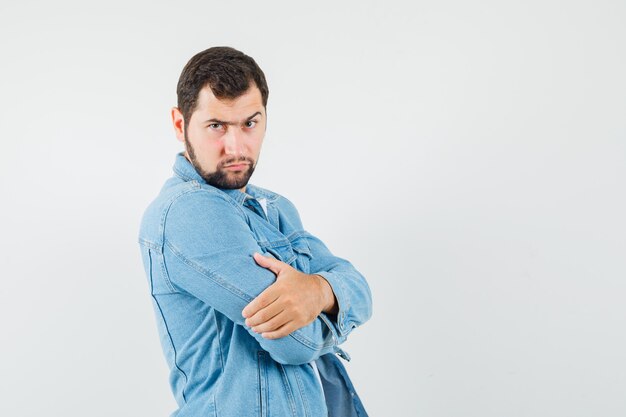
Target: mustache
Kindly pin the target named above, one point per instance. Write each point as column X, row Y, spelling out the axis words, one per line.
column 236, row 160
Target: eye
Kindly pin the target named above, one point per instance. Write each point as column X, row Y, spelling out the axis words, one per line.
column 215, row 126
column 251, row 123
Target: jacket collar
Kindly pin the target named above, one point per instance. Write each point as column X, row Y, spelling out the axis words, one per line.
column 185, row 171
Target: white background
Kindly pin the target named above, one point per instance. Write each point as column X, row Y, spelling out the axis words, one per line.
column 467, row 157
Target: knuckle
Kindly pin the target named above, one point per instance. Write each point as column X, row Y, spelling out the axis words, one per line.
column 258, row 319
column 273, row 321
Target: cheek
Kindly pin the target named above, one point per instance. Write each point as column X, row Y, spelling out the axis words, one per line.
column 210, row 146
column 205, row 142
column 255, row 143
column 207, row 150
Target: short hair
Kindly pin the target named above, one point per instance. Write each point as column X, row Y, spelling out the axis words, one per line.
column 227, row 71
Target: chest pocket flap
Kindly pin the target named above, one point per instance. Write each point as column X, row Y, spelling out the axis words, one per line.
column 295, row 252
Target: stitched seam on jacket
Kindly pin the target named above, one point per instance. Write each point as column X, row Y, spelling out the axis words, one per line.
column 169, row 335
column 219, row 338
column 305, row 402
column 288, row 390
column 208, row 274
column 167, row 329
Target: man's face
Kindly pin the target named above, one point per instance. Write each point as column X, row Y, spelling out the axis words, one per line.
column 223, row 137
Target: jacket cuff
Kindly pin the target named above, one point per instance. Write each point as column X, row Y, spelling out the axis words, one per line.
column 340, row 327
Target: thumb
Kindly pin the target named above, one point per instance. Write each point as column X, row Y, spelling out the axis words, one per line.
column 270, row 263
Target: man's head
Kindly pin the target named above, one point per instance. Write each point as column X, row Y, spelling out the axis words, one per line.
column 221, row 115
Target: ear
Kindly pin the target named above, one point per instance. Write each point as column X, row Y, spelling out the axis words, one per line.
column 179, row 124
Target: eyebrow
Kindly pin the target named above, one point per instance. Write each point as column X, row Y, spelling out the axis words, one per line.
column 214, row 120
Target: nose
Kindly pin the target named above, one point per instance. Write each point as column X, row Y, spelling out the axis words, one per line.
column 233, row 142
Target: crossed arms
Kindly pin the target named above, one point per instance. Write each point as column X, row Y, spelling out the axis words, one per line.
column 292, row 302
column 209, row 244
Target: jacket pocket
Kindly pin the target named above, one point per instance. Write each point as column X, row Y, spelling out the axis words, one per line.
column 263, row 391
column 303, row 254
column 283, row 252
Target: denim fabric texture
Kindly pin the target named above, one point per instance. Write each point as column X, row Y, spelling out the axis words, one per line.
column 197, row 243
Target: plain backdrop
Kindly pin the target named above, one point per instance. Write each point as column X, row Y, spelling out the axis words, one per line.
column 469, row 158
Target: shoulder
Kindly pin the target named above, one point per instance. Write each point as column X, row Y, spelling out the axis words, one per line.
column 153, row 216
column 182, row 194
column 183, row 204
column 202, row 205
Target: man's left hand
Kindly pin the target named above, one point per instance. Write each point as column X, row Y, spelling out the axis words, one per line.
column 292, row 302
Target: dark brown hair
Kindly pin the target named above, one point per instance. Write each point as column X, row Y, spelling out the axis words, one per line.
column 227, row 71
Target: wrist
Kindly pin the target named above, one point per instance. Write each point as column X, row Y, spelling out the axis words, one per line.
column 329, row 301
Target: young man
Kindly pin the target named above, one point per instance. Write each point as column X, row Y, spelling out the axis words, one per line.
column 250, row 307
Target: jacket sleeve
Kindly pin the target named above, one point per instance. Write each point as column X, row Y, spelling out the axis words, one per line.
column 353, row 294
column 208, row 248
column 352, row 291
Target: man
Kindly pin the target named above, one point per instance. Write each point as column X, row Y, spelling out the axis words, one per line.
column 250, row 307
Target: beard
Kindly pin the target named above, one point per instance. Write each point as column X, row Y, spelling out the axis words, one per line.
column 222, row 178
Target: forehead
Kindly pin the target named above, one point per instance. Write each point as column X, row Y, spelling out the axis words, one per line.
column 229, row 109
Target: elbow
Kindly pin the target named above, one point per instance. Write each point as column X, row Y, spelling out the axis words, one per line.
column 301, row 346
column 370, row 308
column 368, row 303
column 363, row 306
column 298, row 356
column 289, row 351
column 293, row 358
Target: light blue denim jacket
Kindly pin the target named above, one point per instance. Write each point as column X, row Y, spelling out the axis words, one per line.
column 197, row 243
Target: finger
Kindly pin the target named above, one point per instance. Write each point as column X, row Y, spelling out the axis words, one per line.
column 272, row 324
column 265, row 313
column 282, row 331
column 267, row 297
column 272, row 264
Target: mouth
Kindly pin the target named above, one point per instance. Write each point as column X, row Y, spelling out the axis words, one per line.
column 236, row 167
